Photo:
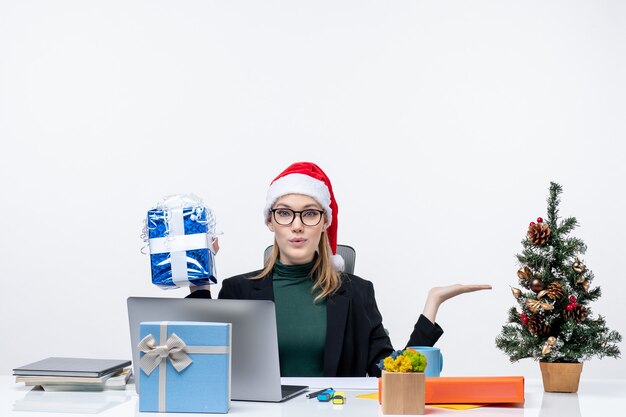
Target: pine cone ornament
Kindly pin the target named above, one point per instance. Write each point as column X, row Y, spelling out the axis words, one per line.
column 553, row 291
column 538, row 233
column 536, row 326
column 579, row 313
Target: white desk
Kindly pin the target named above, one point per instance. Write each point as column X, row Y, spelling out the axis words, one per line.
column 595, row 398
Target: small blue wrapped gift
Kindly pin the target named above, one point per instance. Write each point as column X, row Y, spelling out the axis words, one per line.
column 180, row 232
column 185, row 367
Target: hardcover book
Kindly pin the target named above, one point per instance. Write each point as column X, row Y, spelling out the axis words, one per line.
column 79, row 367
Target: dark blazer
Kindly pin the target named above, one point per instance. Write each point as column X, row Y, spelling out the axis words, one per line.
column 355, row 337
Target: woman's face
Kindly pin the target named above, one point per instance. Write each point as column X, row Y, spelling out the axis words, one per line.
column 297, row 242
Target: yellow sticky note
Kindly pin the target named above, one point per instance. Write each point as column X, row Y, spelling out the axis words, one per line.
column 374, row 396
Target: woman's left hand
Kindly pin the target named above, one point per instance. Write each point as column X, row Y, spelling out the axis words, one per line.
column 438, row 295
column 444, row 293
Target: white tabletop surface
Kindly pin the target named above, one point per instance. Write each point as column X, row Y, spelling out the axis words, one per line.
column 605, row 398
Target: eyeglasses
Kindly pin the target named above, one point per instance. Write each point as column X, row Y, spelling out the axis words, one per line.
column 308, row 217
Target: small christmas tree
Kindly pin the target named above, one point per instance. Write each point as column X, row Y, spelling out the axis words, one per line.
column 554, row 321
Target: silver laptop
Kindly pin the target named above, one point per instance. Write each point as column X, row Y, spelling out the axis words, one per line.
column 255, row 367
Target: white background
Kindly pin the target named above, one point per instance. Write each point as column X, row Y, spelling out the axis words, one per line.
column 440, row 123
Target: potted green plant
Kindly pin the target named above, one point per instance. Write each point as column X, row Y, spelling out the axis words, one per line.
column 403, row 382
column 553, row 321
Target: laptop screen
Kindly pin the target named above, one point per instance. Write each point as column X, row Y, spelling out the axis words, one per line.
column 255, row 365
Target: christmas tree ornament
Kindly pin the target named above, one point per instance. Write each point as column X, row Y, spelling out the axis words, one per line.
column 585, row 285
column 537, row 327
column 576, row 312
column 572, row 304
column 578, row 266
column 524, row 318
column 537, row 285
column 547, row 347
column 538, row 234
column 539, row 220
column 517, row 293
column 554, row 291
column 581, row 313
column 524, row 273
column 534, row 305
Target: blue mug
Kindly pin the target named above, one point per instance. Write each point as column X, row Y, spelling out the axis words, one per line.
column 434, row 359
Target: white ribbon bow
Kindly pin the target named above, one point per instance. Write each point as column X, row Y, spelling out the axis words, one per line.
column 174, row 348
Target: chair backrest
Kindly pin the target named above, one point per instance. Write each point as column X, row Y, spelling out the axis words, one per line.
column 347, row 253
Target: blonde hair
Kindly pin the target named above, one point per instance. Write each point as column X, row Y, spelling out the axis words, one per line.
column 327, row 278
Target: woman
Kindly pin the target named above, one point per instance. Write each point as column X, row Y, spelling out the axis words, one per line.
column 328, row 322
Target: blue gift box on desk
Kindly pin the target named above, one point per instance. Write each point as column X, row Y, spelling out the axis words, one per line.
column 179, row 232
column 185, row 367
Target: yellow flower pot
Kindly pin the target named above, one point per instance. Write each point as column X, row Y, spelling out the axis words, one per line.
column 403, row 393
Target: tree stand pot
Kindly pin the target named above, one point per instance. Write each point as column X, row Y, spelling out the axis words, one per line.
column 560, row 377
column 403, row 393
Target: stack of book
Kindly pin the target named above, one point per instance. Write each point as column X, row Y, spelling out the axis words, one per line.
column 75, row 374
column 43, row 403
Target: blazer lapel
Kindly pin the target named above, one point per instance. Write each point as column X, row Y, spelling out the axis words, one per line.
column 262, row 289
column 337, row 313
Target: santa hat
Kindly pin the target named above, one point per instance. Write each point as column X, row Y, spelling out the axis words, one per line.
column 308, row 179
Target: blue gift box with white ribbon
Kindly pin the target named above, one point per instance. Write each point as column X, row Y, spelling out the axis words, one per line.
column 180, row 232
column 185, row 367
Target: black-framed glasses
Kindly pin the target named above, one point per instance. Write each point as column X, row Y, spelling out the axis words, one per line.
column 308, row 217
